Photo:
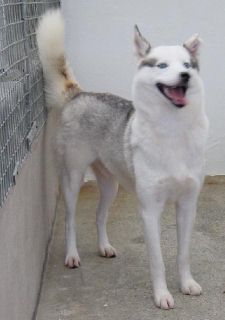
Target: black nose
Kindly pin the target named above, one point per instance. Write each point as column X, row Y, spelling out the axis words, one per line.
column 185, row 76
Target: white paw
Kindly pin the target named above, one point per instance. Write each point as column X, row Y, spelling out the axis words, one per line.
column 164, row 300
column 107, row 251
column 72, row 260
column 191, row 287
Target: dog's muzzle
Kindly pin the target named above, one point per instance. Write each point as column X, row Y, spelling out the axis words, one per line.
column 176, row 94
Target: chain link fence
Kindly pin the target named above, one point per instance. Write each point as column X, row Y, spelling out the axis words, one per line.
column 22, row 105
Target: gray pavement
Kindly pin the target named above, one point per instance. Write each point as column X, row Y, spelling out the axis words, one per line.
column 119, row 288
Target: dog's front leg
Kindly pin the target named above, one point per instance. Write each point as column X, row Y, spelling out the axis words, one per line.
column 151, row 209
column 186, row 212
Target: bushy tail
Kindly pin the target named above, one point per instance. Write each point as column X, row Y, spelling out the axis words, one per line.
column 60, row 84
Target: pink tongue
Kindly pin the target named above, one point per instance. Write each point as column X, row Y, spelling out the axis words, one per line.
column 176, row 95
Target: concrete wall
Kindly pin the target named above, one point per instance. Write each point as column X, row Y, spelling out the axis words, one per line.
column 25, row 226
column 99, row 44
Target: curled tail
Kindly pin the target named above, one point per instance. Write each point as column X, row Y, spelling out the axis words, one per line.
column 60, row 84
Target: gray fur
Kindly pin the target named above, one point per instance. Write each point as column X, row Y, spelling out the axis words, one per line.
column 151, row 62
column 98, row 123
column 194, row 60
column 194, row 63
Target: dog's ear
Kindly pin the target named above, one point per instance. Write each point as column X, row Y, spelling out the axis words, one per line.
column 141, row 45
column 193, row 44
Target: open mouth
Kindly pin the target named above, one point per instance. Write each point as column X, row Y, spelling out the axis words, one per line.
column 176, row 94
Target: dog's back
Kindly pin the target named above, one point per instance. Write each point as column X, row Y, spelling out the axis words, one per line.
column 98, row 123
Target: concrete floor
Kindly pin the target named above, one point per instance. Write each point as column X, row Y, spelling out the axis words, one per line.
column 119, row 288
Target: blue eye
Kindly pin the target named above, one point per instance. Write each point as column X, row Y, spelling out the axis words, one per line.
column 162, row 65
column 187, row 65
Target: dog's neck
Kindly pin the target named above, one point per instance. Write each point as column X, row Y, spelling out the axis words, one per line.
column 169, row 120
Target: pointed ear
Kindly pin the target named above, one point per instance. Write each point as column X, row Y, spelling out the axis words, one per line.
column 193, row 44
column 141, row 45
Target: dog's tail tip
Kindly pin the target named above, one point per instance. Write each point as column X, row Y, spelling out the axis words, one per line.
column 60, row 84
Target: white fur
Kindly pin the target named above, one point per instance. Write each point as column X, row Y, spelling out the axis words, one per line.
column 169, row 158
column 50, row 39
column 166, row 153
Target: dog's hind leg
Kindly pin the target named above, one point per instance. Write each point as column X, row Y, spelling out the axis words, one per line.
column 71, row 183
column 108, row 188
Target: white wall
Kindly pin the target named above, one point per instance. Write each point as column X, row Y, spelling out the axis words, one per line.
column 99, row 43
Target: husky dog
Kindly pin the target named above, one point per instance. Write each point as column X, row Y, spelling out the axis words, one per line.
column 153, row 145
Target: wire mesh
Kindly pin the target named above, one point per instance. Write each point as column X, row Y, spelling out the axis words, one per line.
column 22, row 102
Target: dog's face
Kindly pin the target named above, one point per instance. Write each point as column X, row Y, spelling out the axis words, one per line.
column 167, row 74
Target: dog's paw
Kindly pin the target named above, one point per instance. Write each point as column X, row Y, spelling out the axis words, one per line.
column 191, row 287
column 107, row 251
column 72, row 261
column 164, row 300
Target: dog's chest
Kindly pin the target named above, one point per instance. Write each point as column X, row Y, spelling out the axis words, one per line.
column 172, row 161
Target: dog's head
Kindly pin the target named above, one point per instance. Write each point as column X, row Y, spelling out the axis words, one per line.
column 167, row 74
